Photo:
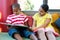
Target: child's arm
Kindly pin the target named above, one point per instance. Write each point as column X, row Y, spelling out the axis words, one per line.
column 47, row 21
column 8, row 21
column 30, row 22
column 34, row 24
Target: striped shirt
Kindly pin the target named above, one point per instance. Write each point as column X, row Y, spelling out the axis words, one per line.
column 17, row 19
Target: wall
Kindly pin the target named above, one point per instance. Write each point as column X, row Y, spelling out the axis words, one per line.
column 5, row 9
column 31, row 13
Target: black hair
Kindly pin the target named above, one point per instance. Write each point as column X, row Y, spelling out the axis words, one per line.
column 45, row 7
column 16, row 5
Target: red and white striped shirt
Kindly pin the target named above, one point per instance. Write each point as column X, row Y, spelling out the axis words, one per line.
column 17, row 19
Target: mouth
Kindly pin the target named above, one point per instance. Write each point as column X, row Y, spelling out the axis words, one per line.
column 15, row 12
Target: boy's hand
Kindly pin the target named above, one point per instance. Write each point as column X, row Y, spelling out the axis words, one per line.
column 31, row 28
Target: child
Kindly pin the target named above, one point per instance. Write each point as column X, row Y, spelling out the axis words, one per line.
column 42, row 24
column 20, row 18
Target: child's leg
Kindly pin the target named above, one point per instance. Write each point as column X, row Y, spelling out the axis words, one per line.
column 13, row 33
column 17, row 36
column 29, row 34
column 50, row 35
column 41, row 34
column 33, row 37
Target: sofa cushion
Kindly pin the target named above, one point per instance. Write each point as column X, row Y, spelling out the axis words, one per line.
column 57, row 22
column 55, row 16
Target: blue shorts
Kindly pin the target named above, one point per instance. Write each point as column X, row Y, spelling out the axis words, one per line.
column 23, row 32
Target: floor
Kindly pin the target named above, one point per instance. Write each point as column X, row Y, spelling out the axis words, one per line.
column 5, row 36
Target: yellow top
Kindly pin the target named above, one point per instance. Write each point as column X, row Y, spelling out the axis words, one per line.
column 41, row 19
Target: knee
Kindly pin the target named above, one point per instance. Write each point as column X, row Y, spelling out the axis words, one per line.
column 33, row 37
column 49, row 32
column 11, row 32
column 41, row 30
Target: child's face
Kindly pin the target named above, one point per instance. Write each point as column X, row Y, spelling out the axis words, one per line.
column 41, row 12
column 15, row 10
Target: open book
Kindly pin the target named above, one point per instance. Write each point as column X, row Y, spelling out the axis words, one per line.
column 14, row 25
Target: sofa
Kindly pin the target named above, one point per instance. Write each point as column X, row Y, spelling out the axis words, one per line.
column 56, row 20
column 55, row 16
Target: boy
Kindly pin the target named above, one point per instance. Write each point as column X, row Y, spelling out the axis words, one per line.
column 20, row 18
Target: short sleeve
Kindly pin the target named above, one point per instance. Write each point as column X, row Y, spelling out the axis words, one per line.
column 26, row 19
column 30, row 21
column 49, row 16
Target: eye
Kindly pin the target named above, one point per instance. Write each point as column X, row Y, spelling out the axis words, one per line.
column 41, row 11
